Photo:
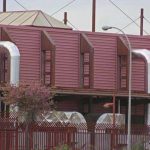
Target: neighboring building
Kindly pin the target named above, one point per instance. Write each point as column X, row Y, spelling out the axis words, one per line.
column 83, row 69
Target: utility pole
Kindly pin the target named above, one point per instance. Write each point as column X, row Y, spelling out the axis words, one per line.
column 141, row 21
column 93, row 15
column 4, row 5
column 65, row 18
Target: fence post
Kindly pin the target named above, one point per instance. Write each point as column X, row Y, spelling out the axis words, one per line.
column 91, row 129
column 16, row 138
column 31, row 130
column 114, row 139
column 27, row 136
column 68, row 137
column 8, row 138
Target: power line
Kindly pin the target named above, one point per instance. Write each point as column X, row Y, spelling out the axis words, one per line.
column 130, row 23
column 62, row 7
column 126, row 15
column 72, row 25
column 146, row 20
column 20, row 5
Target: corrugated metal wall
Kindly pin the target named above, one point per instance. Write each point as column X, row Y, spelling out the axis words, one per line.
column 67, row 58
column 28, row 42
column 67, row 63
column 138, row 42
column 105, row 60
column 139, row 75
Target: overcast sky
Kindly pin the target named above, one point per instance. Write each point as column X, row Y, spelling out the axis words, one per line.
column 79, row 12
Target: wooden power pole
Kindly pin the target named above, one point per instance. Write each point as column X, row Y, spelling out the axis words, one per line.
column 93, row 15
column 141, row 21
column 65, row 17
column 4, row 5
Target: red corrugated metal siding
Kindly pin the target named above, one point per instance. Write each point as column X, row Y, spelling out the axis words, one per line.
column 139, row 43
column 67, row 58
column 28, row 42
column 138, row 74
column 139, row 67
column 105, row 60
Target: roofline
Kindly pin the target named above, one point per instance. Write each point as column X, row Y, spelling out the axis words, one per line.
column 30, row 27
column 19, row 11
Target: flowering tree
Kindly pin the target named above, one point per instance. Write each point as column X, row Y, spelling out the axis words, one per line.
column 32, row 98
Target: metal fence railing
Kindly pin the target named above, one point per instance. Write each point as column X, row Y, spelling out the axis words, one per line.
column 51, row 136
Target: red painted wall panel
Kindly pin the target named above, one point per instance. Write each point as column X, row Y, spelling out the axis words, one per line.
column 105, row 54
column 28, row 42
column 140, row 42
column 67, row 58
column 138, row 75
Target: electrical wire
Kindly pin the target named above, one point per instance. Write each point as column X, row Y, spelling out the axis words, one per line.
column 72, row 25
column 20, row 5
column 62, row 7
column 146, row 20
column 130, row 23
column 126, row 15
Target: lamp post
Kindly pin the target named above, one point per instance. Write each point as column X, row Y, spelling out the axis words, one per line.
column 129, row 83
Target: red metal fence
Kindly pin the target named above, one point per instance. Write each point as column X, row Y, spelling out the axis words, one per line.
column 52, row 136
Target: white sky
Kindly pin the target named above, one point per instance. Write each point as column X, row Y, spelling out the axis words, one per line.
column 79, row 12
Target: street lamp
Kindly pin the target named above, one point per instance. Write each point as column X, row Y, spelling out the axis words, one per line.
column 129, row 83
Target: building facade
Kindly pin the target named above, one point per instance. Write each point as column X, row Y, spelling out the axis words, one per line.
column 84, row 70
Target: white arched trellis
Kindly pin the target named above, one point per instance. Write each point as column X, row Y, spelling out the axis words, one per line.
column 14, row 60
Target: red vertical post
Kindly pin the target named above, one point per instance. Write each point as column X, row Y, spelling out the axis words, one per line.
column 16, row 138
column 93, row 15
column 4, row 5
column 31, row 130
column 65, row 17
column 114, row 108
column 113, row 141
column 141, row 21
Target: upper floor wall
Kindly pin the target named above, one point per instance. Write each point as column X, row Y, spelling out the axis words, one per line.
column 64, row 65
